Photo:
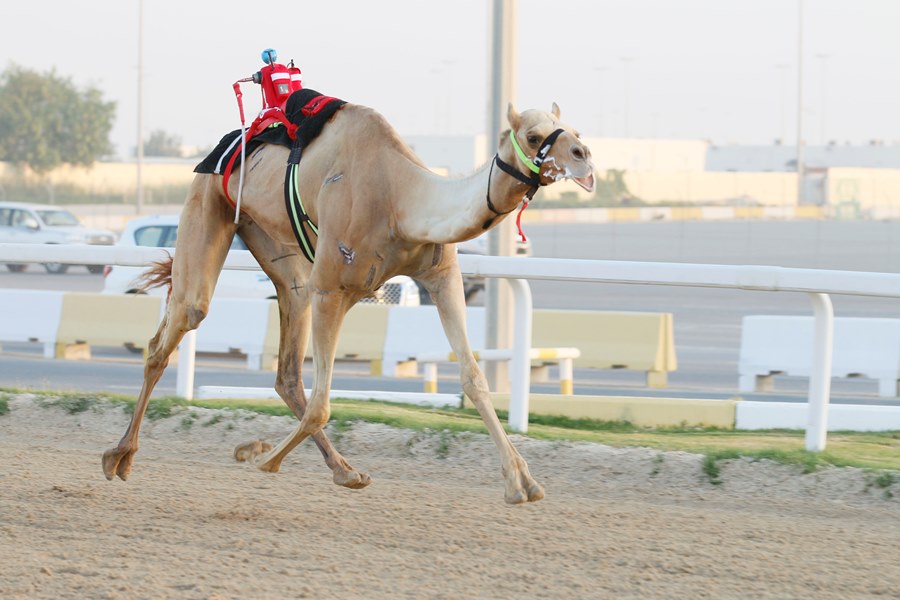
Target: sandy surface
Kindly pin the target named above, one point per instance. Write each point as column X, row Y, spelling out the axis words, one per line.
column 192, row 523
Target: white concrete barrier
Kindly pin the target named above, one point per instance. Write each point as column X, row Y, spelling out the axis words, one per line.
column 562, row 356
column 235, row 325
column 88, row 320
column 640, row 341
column 414, row 330
column 31, row 316
column 863, row 347
column 795, row 415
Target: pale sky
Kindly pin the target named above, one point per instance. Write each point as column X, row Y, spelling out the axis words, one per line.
column 722, row 70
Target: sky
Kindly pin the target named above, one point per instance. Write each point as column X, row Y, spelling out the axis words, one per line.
column 721, row 70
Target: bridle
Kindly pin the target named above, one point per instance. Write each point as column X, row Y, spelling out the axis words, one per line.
column 532, row 180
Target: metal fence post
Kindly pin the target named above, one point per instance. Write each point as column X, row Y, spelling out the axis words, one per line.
column 820, row 377
column 187, row 351
column 520, row 371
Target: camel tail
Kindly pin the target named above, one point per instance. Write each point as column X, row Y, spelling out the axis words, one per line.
column 158, row 275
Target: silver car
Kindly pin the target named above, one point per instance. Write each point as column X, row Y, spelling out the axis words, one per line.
column 23, row 223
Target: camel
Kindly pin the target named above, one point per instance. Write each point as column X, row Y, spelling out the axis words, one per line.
column 380, row 212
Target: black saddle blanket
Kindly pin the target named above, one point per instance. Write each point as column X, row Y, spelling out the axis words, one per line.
column 308, row 128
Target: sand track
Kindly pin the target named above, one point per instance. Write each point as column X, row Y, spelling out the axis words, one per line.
column 192, row 523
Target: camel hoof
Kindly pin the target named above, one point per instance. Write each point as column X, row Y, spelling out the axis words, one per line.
column 117, row 462
column 521, row 488
column 352, row 479
column 250, row 450
column 519, row 496
column 270, row 466
column 535, row 492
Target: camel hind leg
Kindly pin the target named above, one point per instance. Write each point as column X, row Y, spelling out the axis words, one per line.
column 204, row 236
column 328, row 311
column 289, row 271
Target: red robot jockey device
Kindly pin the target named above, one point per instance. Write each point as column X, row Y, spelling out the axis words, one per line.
column 277, row 83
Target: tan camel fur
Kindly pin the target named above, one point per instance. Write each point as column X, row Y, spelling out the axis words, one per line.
column 380, row 212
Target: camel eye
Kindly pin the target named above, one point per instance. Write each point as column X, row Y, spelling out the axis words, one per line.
column 533, row 140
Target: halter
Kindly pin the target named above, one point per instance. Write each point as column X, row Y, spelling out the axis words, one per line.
column 532, row 180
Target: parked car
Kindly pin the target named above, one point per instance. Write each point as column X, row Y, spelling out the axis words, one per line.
column 24, row 223
column 161, row 231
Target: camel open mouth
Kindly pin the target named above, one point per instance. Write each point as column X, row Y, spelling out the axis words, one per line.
column 586, row 182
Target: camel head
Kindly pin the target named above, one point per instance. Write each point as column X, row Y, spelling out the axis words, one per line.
column 567, row 156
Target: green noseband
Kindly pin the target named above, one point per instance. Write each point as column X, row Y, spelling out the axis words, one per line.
column 528, row 162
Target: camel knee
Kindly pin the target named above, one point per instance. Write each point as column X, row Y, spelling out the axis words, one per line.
column 315, row 417
column 475, row 385
column 195, row 315
column 312, row 424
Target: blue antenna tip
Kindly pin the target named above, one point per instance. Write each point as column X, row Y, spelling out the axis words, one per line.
column 269, row 56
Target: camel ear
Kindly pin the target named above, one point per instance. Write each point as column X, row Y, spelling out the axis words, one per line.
column 555, row 110
column 513, row 117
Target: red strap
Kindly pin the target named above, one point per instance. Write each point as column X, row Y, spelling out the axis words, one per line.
column 239, row 95
column 226, row 174
column 519, row 220
column 315, row 105
column 266, row 118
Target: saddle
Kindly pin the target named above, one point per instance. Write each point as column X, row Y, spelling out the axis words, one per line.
column 305, row 114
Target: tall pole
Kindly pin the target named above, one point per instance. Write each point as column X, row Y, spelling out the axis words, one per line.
column 498, row 296
column 782, row 131
column 626, row 100
column 800, row 168
column 139, row 200
column 824, row 58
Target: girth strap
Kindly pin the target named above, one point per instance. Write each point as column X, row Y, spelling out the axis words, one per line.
column 304, row 228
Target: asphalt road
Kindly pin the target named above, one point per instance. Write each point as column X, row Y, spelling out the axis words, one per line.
column 707, row 321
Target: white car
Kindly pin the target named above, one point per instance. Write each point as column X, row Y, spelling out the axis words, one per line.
column 24, row 223
column 160, row 231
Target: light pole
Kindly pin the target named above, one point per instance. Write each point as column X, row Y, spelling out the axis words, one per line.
column 502, row 90
column 600, row 71
column 782, row 131
column 139, row 155
column 824, row 58
column 626, row 61
column 800, row 170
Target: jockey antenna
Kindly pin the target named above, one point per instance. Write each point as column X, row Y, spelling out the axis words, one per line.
column 269, row 56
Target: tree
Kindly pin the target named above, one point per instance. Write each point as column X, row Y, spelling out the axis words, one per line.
column 161, row 143
column 45, row 120
column 612, row 189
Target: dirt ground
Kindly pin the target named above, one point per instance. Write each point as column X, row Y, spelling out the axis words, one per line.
column 192, row 523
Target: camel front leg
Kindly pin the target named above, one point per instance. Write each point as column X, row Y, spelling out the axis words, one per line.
column 446, row 291
column 328, row 310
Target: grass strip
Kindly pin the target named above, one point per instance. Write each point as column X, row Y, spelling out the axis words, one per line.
column 868, row 450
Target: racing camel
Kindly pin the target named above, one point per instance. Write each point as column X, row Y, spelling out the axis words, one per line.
column 380, row 212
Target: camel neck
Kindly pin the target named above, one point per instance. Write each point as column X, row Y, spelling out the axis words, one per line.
column 446, row 210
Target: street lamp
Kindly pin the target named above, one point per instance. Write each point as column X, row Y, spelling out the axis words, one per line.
column 782, row 131
column 139, row 156
column 600, row 71
column 800, row 169
column 824, row 58
column 626, row 60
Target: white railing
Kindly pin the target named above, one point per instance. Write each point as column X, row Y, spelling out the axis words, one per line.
column 818, row 284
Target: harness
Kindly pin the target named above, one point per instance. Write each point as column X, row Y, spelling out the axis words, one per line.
column 532, row 180
column 302, row 225
column 294, row 126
